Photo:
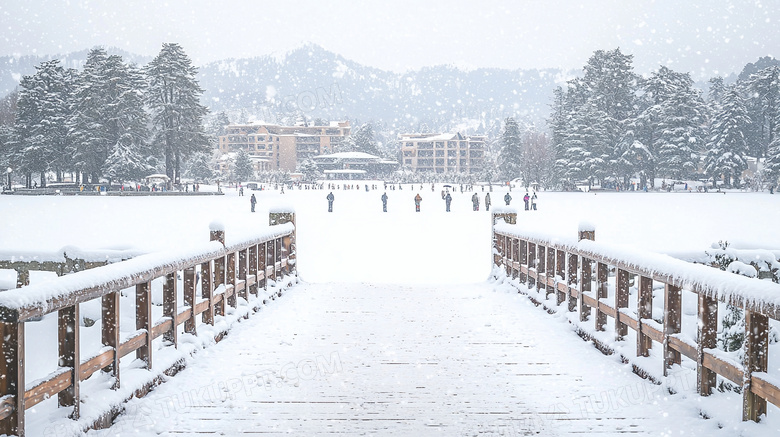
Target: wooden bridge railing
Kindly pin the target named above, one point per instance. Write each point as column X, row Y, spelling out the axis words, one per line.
column 225, row 272
column 577, row 272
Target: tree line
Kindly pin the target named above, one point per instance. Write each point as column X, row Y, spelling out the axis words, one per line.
column 112, row 120
column 611, row 124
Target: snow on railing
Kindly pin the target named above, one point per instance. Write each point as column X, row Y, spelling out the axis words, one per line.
column 216, row 274
column 578, row 271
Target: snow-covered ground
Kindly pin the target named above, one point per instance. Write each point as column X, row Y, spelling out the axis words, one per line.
column 429, row 251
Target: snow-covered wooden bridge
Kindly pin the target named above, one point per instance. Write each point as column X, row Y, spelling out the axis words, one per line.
column 374, row 358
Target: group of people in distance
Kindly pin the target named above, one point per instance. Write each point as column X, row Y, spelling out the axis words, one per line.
column 530, row 201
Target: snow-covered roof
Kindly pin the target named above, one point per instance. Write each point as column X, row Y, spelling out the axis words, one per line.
column 345, row 171
column 349, row 155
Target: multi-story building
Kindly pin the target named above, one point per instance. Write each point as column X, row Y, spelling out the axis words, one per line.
column 442, row 153
column 274, row 147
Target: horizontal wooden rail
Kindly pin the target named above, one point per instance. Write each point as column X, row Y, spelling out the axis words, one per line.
column 226, row 272
column 578, row 272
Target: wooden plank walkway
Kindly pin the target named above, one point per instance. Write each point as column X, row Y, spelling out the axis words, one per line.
column 361, row 359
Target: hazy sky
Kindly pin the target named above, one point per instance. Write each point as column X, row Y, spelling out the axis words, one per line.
column 704, row 37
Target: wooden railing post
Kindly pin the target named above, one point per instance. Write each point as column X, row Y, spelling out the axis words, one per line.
column 243, row 256
column 549, row 271
column 278, row 259
column 755, row 360
column 571, row 280
column 515, row 256
column 708, row 339
column 672, row 324
column 253, row 270
column 644, row 311
column 110, row 332
column 12, row 368
column 621, row 301
column 190, row 325
column 170, row 308
column 586, row 232
column 207, row 291
column 230, row 279
column 602, row 292
column 532, row 265
column 560, row 271
column 506, row 251
column 143, row 320
column 523, row 261
column 68, row 345
column 218, row 234
column 263, row 264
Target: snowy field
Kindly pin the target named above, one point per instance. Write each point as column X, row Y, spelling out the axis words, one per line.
column 360, row 245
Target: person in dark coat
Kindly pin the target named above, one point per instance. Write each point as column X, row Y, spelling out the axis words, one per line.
column 384, row 202
column 475, row 201
column 330, row 201
column 448, row 200
column 526, row 198
column 507, row 198
column 253, row 201
column 487, row 202
column 417, row 200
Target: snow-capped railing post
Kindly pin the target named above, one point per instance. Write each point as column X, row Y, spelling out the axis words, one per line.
column 755, row 360
column 12, row 386
column 207, row 291
column 560, row 272
column 190, row 324
column 571, row 281
column 549, row 278
column 110, row 332
column 68, row 344
column 644, row 311
column 218, row 234
column 586, row 232
column 602, row 278
column 672, row 324
column 143, row 321
column 706, row 379
column 621, row 301
column 170, row 308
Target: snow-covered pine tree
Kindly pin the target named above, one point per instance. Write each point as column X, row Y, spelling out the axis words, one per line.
column 682, row 115
column 86, row 125
column 199, row 167
column 727, row 149
column 40, row 126
column 126, row 121
column 510, row 157
column 242, row 166
column 762, row 91
column 309, row 169
column 364, row 140
column 173, row 96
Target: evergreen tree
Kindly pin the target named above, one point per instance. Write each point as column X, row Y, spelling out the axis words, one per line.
column 242, row 166
column 174, row 100
column 763, row 106
column 309, row 169
column 200, row 167
column 364, row 140
column 727, row 147
column 682, row 115
column 510, row 157
column 108, row 123
column 40, row 126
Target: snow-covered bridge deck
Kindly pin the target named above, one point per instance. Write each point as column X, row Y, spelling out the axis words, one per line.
column 358, row 359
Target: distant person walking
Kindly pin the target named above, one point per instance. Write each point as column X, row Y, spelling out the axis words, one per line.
column 475, row 202
column 448, row 200
column 417, row 200
column 330, row 201
column 533, row 202
column 487, row 202
column 384, row 202
column 507, row 198
column 526, row 198
column 253, row 201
